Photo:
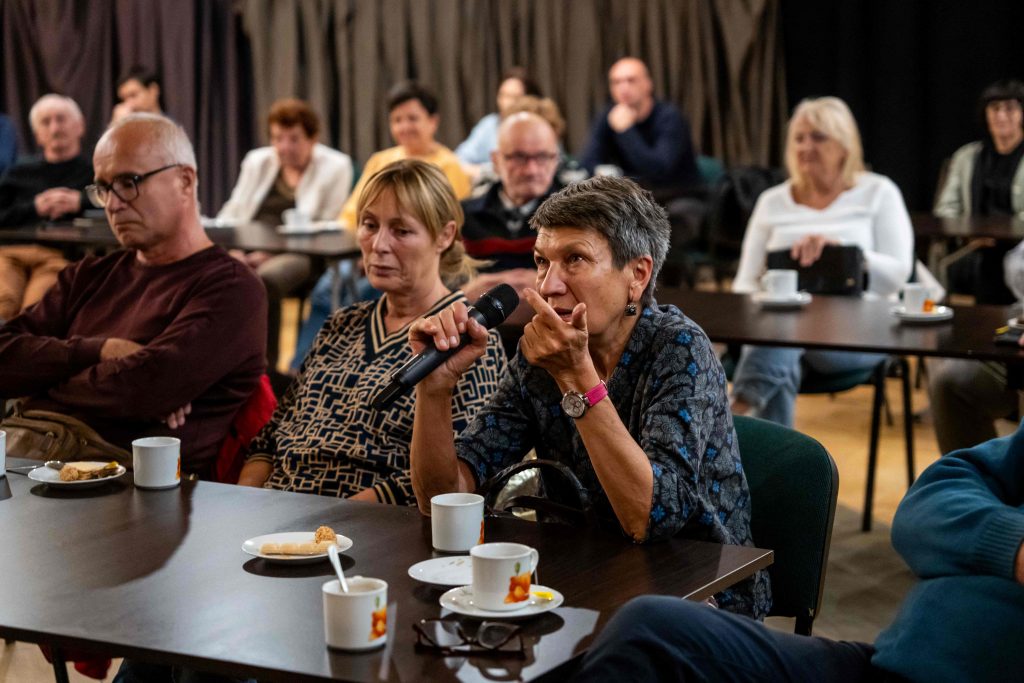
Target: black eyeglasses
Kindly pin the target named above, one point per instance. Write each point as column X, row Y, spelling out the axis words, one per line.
column 125, row 187
column 450, row 639
column 520, row 159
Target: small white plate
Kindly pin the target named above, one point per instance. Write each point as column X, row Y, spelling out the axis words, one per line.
column 1015, row 324
column 252, row 546
column 936, row 315
column 456, row 570
column 768, row 300
column 309, row 228
column 460, row 601
column 51, row 477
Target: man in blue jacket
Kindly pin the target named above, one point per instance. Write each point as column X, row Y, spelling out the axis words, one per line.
column 648, row 139
column 960, row 528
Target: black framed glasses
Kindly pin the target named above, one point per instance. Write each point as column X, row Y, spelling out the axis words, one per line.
column 125, row 187
column 520, row 159
column 451, row 639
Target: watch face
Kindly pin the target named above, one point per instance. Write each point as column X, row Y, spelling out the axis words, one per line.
column 574, row 404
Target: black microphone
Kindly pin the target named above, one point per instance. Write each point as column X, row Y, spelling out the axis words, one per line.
column 490, row 309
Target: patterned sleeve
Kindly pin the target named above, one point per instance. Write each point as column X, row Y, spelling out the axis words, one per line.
column 499, row 434
column 471, row 395
column 686, row 427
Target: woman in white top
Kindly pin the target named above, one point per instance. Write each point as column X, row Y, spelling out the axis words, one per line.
column 829, row 199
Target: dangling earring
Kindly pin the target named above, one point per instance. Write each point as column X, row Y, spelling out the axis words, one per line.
column 631, row 308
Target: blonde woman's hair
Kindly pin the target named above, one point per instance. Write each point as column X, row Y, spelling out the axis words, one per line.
column 831, row 116
column 544, row 107
column 422, row 190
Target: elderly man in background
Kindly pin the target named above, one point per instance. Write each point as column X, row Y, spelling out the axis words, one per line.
column 126, row 345
column 497, row 222
column 45, row 187
column 648, row 139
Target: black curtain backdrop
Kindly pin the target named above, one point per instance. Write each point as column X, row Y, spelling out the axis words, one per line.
column 79, row 48
column 911, row 71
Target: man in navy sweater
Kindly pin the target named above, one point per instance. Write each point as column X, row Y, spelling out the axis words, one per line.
column 960, row 528
column 648, row 139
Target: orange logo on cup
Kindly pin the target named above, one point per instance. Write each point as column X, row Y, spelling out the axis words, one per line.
column 481, row 532
column 518, row 587
column 179, row 468
column 378, row 620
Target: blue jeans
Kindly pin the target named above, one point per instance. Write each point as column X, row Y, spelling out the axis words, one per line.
column 768, row 377
column 658, row 638
column 133, row 671
column 320, row 308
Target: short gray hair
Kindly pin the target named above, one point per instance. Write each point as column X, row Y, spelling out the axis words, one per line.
column 624, row 213
column 52, row 98
column 169, row 138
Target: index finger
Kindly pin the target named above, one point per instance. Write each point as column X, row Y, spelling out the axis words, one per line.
column 540, row 306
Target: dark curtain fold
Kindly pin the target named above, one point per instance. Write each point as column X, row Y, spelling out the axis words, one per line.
column 78, row 49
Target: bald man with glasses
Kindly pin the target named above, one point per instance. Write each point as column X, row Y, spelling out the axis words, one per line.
column 163, row 338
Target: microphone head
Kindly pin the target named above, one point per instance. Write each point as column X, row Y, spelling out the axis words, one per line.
column 497, row 304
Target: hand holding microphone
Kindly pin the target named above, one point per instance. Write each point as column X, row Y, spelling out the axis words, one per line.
column 454, row 338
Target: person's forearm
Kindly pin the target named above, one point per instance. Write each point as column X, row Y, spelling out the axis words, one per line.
column 433, row 465
column 255, row 473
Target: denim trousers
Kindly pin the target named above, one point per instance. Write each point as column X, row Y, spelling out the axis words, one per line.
column 768, row 377
column 134, row 671
column 660, row 638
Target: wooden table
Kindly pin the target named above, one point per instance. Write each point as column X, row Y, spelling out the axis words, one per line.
column 999, row 228
column 160, row 576
column 247, row 236
column 845, row 324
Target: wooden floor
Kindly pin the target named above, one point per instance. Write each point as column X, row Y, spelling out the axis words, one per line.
column 866, row 579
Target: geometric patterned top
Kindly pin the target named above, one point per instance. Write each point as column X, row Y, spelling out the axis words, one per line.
column 324, row 437
column 669, row 390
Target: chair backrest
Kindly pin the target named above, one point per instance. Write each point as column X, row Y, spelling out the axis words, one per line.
column 732, row 201
column 793, row 488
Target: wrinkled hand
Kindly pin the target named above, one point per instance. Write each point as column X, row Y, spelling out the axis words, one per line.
column 807, row 249
column 621, row 118
column 551, row 343
column 57, row 202
column 177, row 417
column 443, row 332
column 115, row 348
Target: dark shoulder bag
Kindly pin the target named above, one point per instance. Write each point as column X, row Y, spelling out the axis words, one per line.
column 564, row 499
column 840, row 270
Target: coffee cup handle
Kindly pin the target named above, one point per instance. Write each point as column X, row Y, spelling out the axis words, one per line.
column 534, row 560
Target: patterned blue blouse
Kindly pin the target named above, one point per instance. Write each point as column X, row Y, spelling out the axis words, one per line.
column 670, row 391
column 324, row 438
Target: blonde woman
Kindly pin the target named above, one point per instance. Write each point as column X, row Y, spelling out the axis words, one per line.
column 828, row 199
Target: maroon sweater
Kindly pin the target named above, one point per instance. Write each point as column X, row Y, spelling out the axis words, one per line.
column 202, row 321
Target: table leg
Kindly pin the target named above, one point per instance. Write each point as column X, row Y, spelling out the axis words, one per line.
column 60, row 667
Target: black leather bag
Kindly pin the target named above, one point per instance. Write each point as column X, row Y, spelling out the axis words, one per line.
column 840, row 270
column 564, row 499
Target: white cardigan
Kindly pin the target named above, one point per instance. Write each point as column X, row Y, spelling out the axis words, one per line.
column 324, row 187
column 871, row 214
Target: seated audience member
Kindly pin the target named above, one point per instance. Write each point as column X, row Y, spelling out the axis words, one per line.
column 8, row 144
column 475, row 151
column 324, row 437
column 294, row 172
column 497, row 222
column 138, row 92
column 648, row 139
column 960, row 528
column 47, row 187
column 986, row 178
column 828, row 199
column 130, row 343
column 626, row 393
column 968, row 396
column 413, row 118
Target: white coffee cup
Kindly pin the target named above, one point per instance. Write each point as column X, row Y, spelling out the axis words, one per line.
column 156, row 461
column 779, row 283
column 456, row 521
column 3, row 453
column 501, row 575
column 607, row 170
column 914, row 296
column 356, row 620
column 295, row 218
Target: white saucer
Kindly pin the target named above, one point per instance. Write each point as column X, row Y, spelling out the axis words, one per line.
column 936, row 315
column 51, row 477
column 456, row 570
column 460, row 601
column 312, row 228
column 768, row 300
column 252, row 546
column 1015, row 324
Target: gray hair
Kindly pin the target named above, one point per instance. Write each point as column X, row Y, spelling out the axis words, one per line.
column 624, row 213
column 166, row 136
column 52, row 98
